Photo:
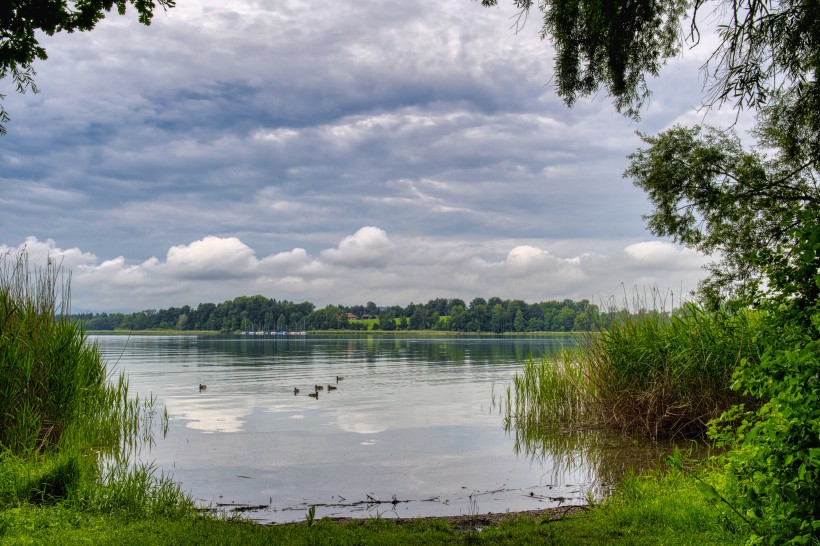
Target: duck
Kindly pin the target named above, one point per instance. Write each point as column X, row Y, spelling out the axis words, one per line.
column 314, row 394
column 295, row 391
column 202, row 386
column 318, row 387
column 331, row 388
column 339, row 378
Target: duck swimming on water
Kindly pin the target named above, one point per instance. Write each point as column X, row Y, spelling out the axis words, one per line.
column 202, row 386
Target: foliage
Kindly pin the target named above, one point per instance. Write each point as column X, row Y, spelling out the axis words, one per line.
column 598, row 42
column 764, row 49
column 22, row 20
column 260, row 313
column 66, row 430
column 710, row 194
column 668, row 377
column 549, row 393
column 49, row 378
column 648, row 374
column 774, row 466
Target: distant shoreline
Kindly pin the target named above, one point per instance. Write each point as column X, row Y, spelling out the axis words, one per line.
column 313, row 333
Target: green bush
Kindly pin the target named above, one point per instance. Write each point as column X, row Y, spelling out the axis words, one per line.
column 773, row 468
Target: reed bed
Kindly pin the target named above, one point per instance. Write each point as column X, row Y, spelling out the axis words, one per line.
column 68, row 430
column 651, row 374
column 668, row 376
column 50, row 378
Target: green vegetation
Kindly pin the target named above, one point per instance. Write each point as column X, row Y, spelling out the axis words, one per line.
column 67, row 429
column 747, row 380
column 651, row 509
column 258, row 313
column 668, row 377
column 765, row 53
column 650, row 375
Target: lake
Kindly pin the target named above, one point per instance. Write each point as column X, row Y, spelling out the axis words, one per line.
column 411, row 430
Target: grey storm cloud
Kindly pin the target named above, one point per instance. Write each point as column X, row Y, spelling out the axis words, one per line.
column 361, row 150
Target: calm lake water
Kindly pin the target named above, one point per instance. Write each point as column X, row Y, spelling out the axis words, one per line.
column 410, row 431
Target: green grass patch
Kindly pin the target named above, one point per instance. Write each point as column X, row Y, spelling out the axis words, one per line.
column 651, row 509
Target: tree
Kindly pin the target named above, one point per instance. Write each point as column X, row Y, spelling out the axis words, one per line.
column 418, row 320
column 765, row 49
column 497, row 318
column 564, row 320
column 519, row 324
column 21, row 20
column 387, row 320
column 767, row 59
column 712, row 195
column 758, row 211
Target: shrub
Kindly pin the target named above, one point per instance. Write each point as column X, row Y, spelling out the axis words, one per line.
column 773, row 468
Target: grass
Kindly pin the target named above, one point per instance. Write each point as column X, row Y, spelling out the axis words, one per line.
column 652, row 509
column 669, row 376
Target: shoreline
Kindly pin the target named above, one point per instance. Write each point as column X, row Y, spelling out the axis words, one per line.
column 314, row 333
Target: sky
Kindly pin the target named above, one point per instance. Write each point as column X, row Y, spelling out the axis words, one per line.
column 333, row 152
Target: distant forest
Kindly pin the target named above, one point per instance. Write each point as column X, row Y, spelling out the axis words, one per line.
column 258, row 313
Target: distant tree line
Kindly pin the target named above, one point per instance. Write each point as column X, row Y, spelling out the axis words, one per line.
column 258, row 313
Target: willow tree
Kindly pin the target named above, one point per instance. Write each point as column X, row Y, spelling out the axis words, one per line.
column 708, row 192
column 757, row 209
column 767, row 49
column 21, row 20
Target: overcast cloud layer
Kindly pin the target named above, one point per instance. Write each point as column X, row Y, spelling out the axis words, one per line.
column 335, row 152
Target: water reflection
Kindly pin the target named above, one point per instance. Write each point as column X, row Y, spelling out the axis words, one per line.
column 413, row 418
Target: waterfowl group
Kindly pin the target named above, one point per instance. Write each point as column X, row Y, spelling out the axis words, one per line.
column 317, row 388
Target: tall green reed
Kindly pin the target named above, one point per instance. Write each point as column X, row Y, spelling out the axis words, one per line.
column 68, row 430
column 51, row 379
column 651, row 373
column 667, row 376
